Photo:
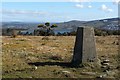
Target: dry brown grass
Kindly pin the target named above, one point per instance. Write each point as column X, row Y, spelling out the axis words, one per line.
column 17, row 52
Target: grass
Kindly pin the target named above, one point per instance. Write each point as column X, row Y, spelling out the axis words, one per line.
column 18, row 52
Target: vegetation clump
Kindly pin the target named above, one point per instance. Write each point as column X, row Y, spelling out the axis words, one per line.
column 14, row 34
column 46, row 29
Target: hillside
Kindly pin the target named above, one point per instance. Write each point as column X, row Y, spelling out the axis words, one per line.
column 107, row 24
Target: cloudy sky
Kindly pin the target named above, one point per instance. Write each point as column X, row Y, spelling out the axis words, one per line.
column 57, row 11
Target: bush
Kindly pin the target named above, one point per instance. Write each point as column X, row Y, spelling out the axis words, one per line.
column 44, row 33
column 45, row 38
column 14, row 34
column 100, row 32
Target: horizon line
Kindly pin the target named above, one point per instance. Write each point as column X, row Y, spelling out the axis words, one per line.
column 60, row 21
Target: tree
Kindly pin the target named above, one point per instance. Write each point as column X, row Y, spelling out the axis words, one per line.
column 46, row 28
column 47, row 24
column 53, row 26
column 40, row 25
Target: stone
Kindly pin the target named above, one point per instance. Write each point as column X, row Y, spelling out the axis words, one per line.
column 104, row 67
column 36, row 67
column 106, row 61
column 65, row 71
column 107, row 64
column 84, row 49
column 88, row 73
column 102, row 76
column 67, row 74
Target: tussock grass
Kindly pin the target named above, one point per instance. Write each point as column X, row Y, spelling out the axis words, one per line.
column 18, row 52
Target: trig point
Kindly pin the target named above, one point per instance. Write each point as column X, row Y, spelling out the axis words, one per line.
column 84, row 49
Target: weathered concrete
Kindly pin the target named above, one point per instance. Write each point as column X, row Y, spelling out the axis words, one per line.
column 84, row 50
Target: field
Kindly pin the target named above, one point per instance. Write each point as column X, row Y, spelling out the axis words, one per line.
column 38, row 57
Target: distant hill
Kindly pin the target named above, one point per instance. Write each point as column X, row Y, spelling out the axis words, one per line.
column 107, row 24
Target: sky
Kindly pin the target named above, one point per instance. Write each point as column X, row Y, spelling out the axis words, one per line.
column 57, row 11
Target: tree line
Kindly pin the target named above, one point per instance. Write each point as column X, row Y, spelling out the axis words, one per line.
column 98, row 32
column 47, row 30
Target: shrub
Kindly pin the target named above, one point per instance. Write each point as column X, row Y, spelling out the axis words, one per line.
column 14, row 34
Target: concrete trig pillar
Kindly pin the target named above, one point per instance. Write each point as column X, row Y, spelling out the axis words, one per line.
column 84, row 49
